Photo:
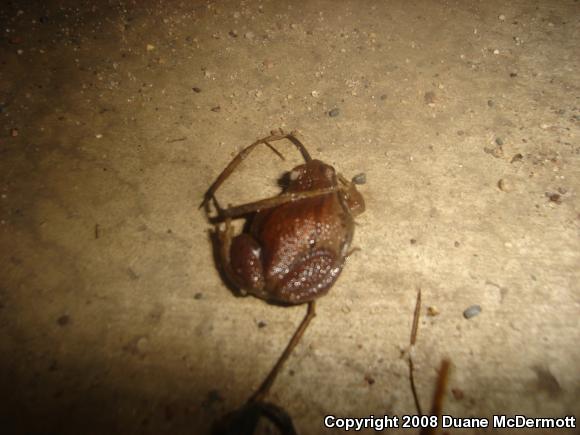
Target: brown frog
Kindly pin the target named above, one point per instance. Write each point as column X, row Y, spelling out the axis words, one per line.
column 297, row 242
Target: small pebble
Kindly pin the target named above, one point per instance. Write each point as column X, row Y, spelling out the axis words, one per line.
column 504, row 185
column 196, row 89
column 233, row 33
column 432, row 311
column 150, row 47
column 261, row 324
column 249, row 35
column 360, row 178
column 14, row 132
column 334, row 112
column 501, row 17
column 499, row 141
column 198, row 296
column 490, row 103
column 384, row 97
column 429, row 98
column 472, row 311
column 216, row 109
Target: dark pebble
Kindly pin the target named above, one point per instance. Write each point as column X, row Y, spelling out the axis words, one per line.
column 334, row 112
column 261, row 324
column 490, row 103
column 196, row 89
column 63, row 320
column 216, row 109
column 499, row 140
column 384, row 97
column 198, row 296
column 472, row 311
column 360, row 178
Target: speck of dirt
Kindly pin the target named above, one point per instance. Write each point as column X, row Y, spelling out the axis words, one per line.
column 499, row 141
column 516, row 158
column 554, row 197
column 369, row 379
column 413, row 241
column 196, row 89
column 546, row 381
column 384, row 97
column 490, row 103
column 216, row 109
column 497, row 151
column 334, row 112
column 429, row 97
column 63, row 320
column 456, row 244
column 261, row 324
column 213, row 397
column 198, row 296
column 457, row 393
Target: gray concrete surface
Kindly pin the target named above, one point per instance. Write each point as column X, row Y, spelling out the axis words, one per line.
column 463, row 115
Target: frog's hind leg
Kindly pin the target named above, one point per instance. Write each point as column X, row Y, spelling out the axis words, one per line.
column 242, row 155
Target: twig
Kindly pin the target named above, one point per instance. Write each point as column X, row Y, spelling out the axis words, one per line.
column 414, row 331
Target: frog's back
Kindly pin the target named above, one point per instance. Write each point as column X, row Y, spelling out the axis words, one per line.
column 307, row 239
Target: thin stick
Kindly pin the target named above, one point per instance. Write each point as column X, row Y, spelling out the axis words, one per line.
column 275, row 201
column 438, row 395
column 414, row 331
column 269, row 381
column 242, row 155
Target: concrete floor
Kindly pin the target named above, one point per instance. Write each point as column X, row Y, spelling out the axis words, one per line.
column 117, row 116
